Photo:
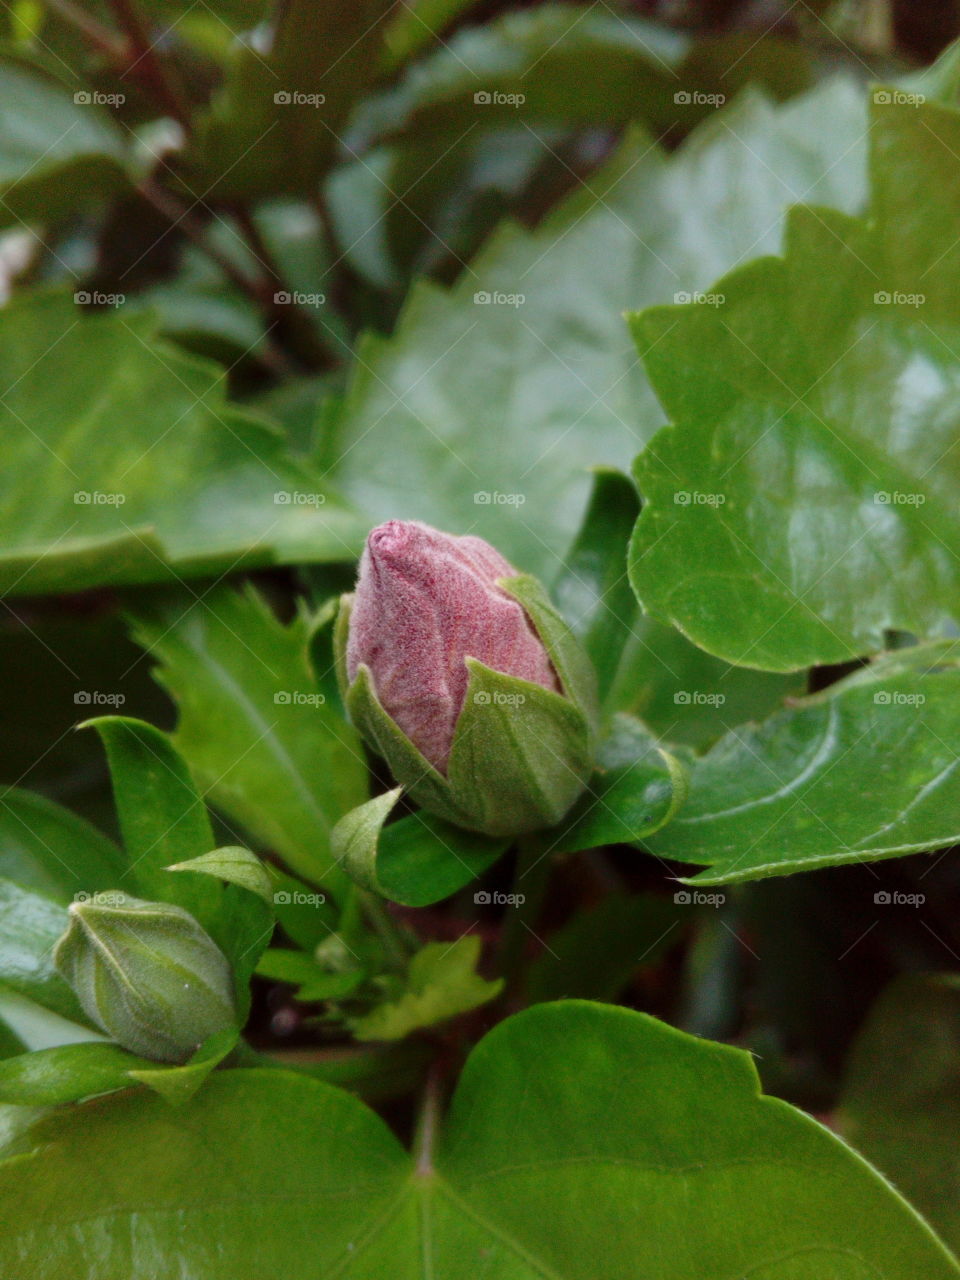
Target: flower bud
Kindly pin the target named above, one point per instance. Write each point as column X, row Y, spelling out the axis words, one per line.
column 147, row 974
column 463, row 676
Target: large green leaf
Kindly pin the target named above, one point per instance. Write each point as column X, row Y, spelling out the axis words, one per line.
column 254, row 726
column 30, row 926
column 643, row 666
column 866, row 769
column 901, row 1099
column 485, row 417
column 47, row 848
column 59, row 150
column 121, row 462
column 687, row 1171
column 802, row 503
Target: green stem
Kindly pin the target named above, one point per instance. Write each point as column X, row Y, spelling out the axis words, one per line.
column 530, row 878
column 391, row 934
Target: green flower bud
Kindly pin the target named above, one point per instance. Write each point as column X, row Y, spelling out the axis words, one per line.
column 147, row 973
column 463, row 676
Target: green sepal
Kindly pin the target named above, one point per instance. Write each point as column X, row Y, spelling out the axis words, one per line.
column 567, row 654
column 417, row 861
column 517, row 766
column 427, row 786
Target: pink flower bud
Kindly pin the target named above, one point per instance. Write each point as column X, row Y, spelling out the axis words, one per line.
column 426, row 601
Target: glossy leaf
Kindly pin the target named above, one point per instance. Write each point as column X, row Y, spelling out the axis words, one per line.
column 485, row 416
column 253, row 724
column 638, row 788
column 866, row 769
column 162, row 819
column 86, row 502
column 802, row 503
column 565, row 1104
column 900, row 1104
column 47, row 848
column 30, row 926
column 51, row 1077
column 643, row 666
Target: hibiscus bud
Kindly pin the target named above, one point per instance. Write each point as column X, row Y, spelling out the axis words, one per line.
column 460, row 672
column 147, row 974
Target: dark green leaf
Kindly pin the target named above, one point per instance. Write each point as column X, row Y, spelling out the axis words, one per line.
column 486, row 417
column 866, row 769
column 270, row 1172
column 253, row 724
column 96, row 484
column 46, row 848
column 802, row 504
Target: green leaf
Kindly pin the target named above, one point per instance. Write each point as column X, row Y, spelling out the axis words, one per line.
column 276, row 124
column 594, row 955
column 417, row 24
column 818, row 784
column 642, row 666
column 417, row 861
column 96, row 485
column 236, row 865
column 802, row 504
column 592, row 589
column 51, row 1077
column 30, row 926
column 48, row 849
column 253, row 725
column 564, row 1105
column 177, row 1085
column 900, row 1104
column 57, row 154
column 486, row 417
column 637, row 789
column 162, row 819
column 441, row 982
